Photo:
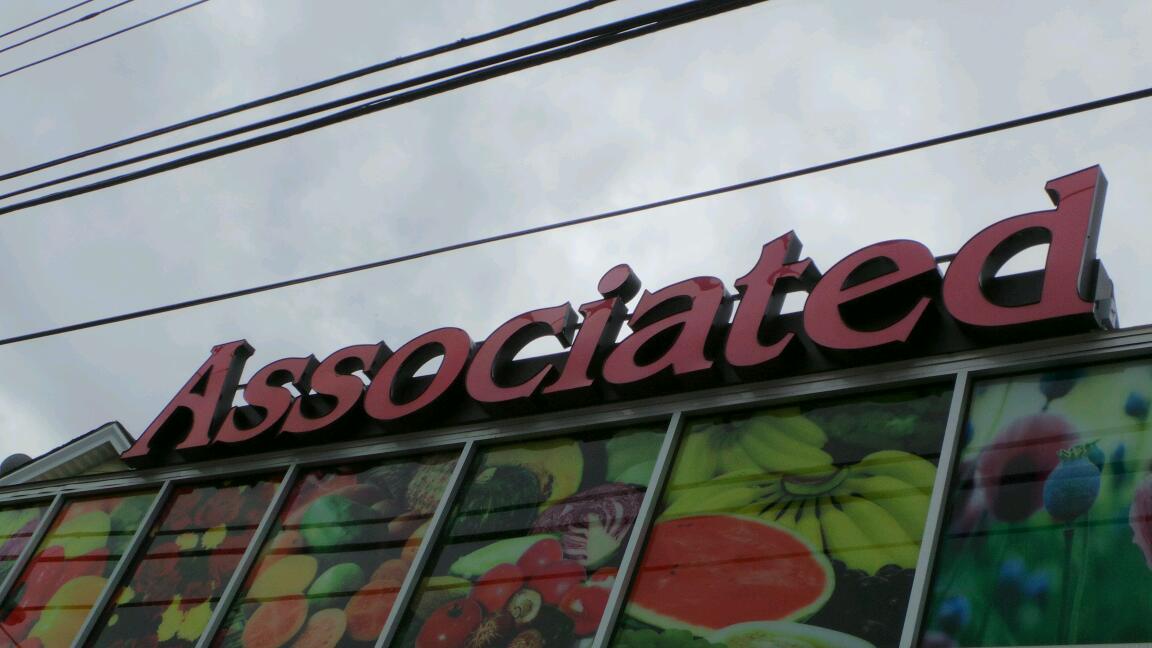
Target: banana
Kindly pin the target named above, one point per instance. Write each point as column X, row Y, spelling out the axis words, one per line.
column 784, row 515
column 724, row 500
column 907, row 504
column 774, row 448
column 881, row 530
column 800, row 427
column 905, row 466
column 695, row 498
column 695, row 461
column 808, row 525
column 846, row 542
column 733, row 457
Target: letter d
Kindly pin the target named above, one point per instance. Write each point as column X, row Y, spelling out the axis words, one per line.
column 1070, row 283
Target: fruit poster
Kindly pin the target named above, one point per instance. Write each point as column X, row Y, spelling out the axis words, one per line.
column 187, row 560
column 16, row 527
column 1048, row 538
column 529, row 553
column 70, row 569
column 333, row 563
column 793, row 527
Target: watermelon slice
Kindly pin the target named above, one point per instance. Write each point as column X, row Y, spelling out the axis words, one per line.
column 704, row 572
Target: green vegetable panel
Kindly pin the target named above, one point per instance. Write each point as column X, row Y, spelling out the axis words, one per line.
column 332, row 565
column 69, row 570
column 793, row 527
column 1048, row 538
column 529, row 553
column 187, row 560
column 16, row 527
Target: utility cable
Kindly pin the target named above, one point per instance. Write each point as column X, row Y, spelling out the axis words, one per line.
column 48, row 17
column 102, row 38
column 482, row 70
column 66, row 25
column 748, row 184
column 318, row 85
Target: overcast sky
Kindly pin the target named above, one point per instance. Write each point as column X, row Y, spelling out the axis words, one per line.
column 755, row 92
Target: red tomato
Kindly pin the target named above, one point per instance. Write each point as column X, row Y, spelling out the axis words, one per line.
column 540, row 555
column 450, row 625
column 493, row 589
column 585, row 605
column 556, row 579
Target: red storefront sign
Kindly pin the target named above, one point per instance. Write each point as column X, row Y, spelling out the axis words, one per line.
column 885, row 301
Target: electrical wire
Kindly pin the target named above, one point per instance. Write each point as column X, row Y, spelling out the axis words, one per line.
column 474, row 72
column 66, row 25
column 748, row 184
column 48, row 17
column 318, row 85
column 102, row 38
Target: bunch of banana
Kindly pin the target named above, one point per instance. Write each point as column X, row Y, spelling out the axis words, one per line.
column 789, row 445
column 777, row 442
column 868, row 515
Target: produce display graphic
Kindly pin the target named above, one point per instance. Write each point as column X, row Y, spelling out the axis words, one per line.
column 795, row 527
column 1048, row 537
column 69, row 570
column 331, row 567
column 529, row 553
column 16, row 527
column 188, row 558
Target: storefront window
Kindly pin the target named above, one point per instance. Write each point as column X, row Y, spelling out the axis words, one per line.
column 70, row 569
column 790, row 527
column 191, row 553
column 16, row 527
column 333, row 563
column 1049, row 534
column 531, row 548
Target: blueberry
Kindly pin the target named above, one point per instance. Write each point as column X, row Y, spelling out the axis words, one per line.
column 1010, row 581
column 1012, row 570
column 1119, row 469
column 1055, row 384
column 1072, row 487
column 1036, row 586
column 1136, row 406
column 954, row 614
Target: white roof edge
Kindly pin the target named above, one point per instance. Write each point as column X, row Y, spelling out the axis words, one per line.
column 73, row 458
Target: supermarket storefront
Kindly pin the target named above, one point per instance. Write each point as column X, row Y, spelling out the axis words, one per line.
column 917, row 457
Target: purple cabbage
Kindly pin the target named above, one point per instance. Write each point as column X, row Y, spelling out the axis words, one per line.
column 593, row 524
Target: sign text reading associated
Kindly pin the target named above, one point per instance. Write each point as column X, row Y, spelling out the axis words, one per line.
column 884, row 301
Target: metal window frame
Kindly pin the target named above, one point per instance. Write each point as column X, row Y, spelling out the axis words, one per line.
column 120, row 571
column 961, row 369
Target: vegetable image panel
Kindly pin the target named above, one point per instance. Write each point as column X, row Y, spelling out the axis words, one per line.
column 529, row 553
column 793, row 527
column 1048, row 536
column 334, row 561
column 16, row 527
column 188, row 558
column 69, row 570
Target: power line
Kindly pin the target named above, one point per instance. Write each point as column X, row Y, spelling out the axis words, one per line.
column 318, row 85
column 670, row 16
column 102, row 38
column 473, row 72
column 48, row 17
column 748, row 184
column 66, row 25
